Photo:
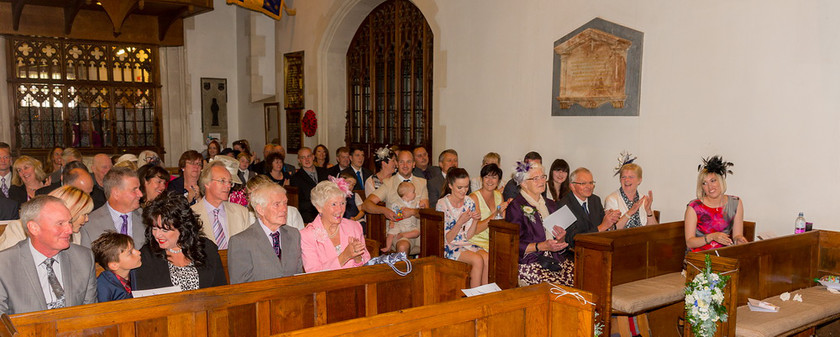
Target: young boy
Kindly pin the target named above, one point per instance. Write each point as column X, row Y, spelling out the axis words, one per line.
column 116, row 254
column 354, row 203
column 404, row 228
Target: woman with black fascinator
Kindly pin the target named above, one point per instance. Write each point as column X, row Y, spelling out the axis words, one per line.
column 714, row 219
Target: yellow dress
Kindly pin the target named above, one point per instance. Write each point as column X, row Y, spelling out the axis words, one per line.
column 482, row 239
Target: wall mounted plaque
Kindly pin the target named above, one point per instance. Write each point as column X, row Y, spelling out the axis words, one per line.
column 597, row 71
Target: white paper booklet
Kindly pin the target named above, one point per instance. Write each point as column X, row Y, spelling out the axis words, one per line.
column 761, row 306
column 156, row 291
column 563, row 217
column 480, row 290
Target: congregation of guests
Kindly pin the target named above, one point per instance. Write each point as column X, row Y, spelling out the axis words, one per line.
column 148, row 229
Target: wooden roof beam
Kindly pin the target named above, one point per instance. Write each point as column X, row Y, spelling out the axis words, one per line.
column 118, row 11
column 166, row 21
column 17, row 9
column 71, row 9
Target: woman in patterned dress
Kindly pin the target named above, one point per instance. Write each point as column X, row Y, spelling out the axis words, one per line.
column 176, row 251
column 460, row 220
column 714, row 219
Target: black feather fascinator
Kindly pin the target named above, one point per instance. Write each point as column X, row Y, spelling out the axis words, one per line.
column 716, row 164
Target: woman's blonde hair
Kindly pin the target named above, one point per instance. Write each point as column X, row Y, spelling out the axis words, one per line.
column 77, row 201
column 702, row 176
column 631, row 167
column 35, row 163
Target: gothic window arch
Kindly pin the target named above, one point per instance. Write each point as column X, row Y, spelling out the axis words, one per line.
column 389, row 79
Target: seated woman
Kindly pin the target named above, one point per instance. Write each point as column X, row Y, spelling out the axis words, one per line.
column 636, row 210
column 52, row 164
column 176, row 251
column 77, row 201
column 27, row 177
column 489, row 158
column 714, row 219
column 460, row 222
column 190, row 165
column 330, row 241
column 384, row 160
column 490, row 204
column 541, row 257
column 153, row 179
column 322, row 156
column 558, row 180
column 213, row 149
column 274, row 164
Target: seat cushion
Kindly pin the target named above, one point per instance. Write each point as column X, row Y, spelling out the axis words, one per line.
column 642, row 295
column 817, row 303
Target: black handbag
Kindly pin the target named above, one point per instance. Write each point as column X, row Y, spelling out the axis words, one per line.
column 547, row 261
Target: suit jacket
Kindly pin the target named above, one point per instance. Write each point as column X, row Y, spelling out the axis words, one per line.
column 584, row 223
column 335, row 170
column 242, row 176
column 109, row 288
column 434, row 184
column 251, row 256
column 100, row 221
column 366, row 173
column 237, row 219
column 18, row 193
column 20, row 291
column 8, row 208
column 318, row 251
column 304, row 183
column 530, row 230
column 154, row 273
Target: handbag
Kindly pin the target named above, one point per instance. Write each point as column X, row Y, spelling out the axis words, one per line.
column 391, row 260
column 546, row 261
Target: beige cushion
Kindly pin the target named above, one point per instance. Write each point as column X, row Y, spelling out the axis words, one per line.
column 642, row 295
column 817, row 303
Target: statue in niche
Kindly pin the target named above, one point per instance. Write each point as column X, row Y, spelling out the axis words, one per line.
column 593, row 70
column 214, row 109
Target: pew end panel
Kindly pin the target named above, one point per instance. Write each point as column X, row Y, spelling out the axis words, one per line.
column 504, row 254
column 829, row 254
column 6, row 327
column 432, row 240
column 373, row 247
column 376, row 226
column 531, row 311
column 695, row 263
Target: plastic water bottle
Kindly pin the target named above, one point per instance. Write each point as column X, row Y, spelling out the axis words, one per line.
column 799, row 224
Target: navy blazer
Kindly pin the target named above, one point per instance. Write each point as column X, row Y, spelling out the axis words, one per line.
column 304, row 183
column 154, row 273
column 8, row 208
column 584, row 223
column 529, row 231
column 109, row 288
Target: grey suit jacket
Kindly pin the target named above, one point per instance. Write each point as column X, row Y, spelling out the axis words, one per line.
column 434, row 184
column 20, row 289
column 100, row 221
column 251, row 257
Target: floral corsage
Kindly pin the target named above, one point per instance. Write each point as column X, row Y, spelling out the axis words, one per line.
column 529, row 212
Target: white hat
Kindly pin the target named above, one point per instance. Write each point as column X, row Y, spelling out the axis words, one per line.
column 232, row 165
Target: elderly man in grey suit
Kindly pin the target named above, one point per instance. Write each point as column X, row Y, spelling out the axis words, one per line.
column 121, row 213
column 45, row 271
column 267, row 249
column 220, row 218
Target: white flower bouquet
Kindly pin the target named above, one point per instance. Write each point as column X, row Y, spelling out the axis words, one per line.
column 704, row 301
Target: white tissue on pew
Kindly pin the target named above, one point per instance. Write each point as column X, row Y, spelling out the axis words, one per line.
column 785, row 296
column 156, row 291
column 833, row 291
column 798, row 298
column 481, row 290
column 761, row 306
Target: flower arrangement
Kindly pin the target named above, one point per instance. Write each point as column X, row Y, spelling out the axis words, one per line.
column 704, row 301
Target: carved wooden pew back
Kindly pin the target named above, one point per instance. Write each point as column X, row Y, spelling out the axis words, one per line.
column 259, row 308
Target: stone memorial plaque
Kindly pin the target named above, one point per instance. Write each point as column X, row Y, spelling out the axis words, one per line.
column 593, row 69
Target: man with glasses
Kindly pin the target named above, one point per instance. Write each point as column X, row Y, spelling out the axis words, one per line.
column 586, row 207
column 221, row 219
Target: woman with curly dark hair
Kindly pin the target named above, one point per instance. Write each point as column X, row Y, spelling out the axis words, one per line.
column 176, row 251
column 153, row 179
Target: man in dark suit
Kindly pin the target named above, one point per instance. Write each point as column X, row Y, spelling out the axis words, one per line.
column 305, row 180
column 5, row 169
column 80, row 178
column 357, row 169
column 586, row 207
column 511, row 188
column 268, row 248
column 29, row 281
column 342, row 158
column 435, row 184
column 8, row 209
column 121, row 212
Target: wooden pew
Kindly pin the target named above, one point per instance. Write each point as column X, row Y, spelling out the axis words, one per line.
column 6, row 327
column 765, row 269
column 2, row 228
column 259, row 308
column 531, row 311
column 292, row 194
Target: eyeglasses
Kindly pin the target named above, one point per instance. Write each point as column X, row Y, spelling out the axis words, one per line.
column 222, row 181
column 591, row 183
column 542, row 177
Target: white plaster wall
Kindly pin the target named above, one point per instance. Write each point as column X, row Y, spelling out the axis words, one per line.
column 753, row 80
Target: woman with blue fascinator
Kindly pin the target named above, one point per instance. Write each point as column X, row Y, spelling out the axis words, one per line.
column 714, row 219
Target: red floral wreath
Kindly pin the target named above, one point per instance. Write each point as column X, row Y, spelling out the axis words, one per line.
column 310, row 123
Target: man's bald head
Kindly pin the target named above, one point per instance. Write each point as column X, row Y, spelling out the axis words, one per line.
column 79, row 178
column 101, row 165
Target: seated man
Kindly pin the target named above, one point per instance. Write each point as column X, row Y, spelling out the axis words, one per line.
column 305, row 180
column 220, row 218
column 76, row 174
column 121, row 212
column 342, row 161
column 586, row 207
column 46, row 271
column 268, row 248
column 357, row 169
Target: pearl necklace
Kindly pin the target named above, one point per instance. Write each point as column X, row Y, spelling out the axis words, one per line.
column 174, row 251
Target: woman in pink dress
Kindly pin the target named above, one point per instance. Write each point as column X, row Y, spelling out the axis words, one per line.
column 714, row 219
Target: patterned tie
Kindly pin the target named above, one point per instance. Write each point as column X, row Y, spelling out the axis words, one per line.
column 360, row 181
column 585, row 208
column 3, row 187
column 275, row 239
column 124, row 228
column 55, row 285
column 221, row 240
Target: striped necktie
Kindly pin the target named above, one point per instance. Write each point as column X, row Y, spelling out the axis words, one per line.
column 3, row 187
column 55, row 285
column 218, row 231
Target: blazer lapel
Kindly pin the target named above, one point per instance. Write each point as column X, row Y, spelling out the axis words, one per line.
column 31, row 274
column 577, row 208
column 138, row 229
column 268, row 250
column 67, row 277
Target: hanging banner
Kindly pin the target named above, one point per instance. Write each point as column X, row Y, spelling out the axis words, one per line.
column 273, row 8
